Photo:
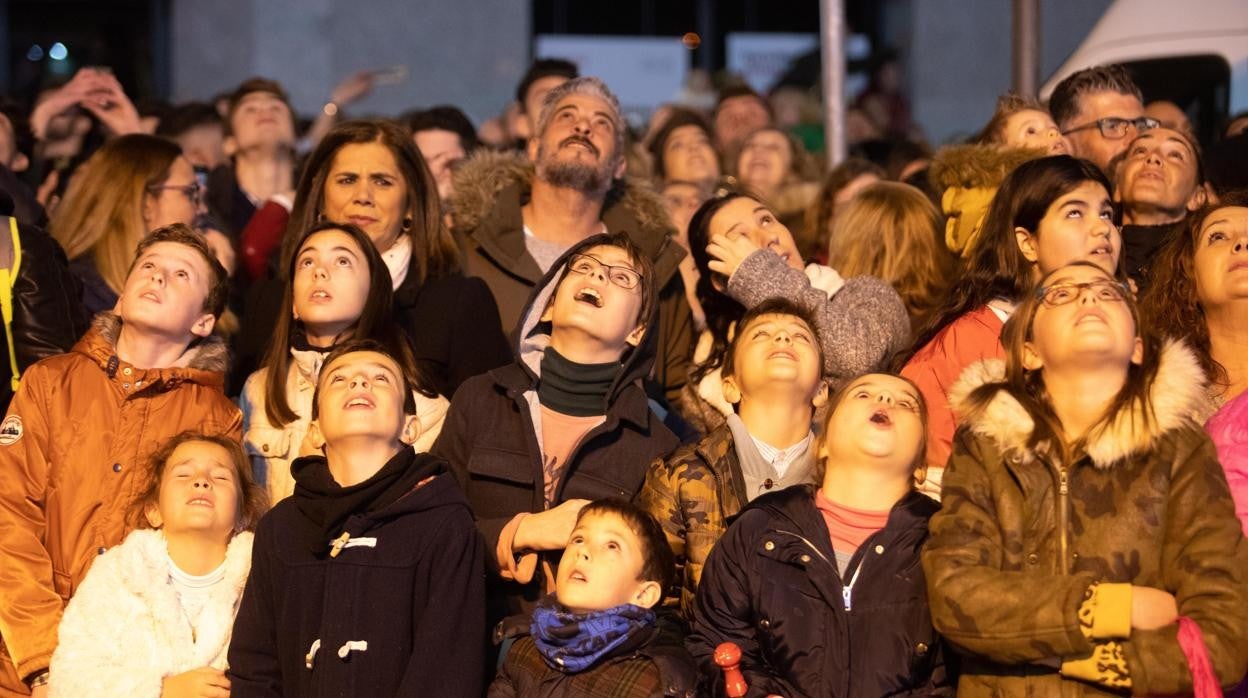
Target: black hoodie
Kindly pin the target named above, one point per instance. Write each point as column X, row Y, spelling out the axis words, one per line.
column 407, row 580
column 771, row 586
column 491, row 440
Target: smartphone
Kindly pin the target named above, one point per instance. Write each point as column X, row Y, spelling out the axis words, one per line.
column 389, row 76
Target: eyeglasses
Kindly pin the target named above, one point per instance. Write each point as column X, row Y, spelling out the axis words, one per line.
column 190, row 191
column 620, row 276
column 1103, row 290
column 1113, row 127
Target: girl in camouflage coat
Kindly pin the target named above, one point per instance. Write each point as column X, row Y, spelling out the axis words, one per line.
column 1085, row 517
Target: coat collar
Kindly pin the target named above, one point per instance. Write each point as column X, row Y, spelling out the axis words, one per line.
column 1177, row 394
column 204, row 362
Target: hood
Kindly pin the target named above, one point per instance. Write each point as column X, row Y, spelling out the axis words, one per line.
column 204, row 361
column 533, row 335
column 967, row 177
column 1177, row 393
column 490, row 182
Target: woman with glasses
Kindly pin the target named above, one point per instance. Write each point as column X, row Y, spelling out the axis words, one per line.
column 1087, row 543
column 129, row 187
column 1047, row 213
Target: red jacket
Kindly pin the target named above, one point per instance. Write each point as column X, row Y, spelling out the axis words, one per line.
column 937, row 366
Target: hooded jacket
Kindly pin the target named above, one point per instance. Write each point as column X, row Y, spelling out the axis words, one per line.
column 273, row 448
column 125, row 630
column 398, row 610
column 492, row 437
column 771, row 586
column 1022, row 537
column 491, row 188
column 73, row 456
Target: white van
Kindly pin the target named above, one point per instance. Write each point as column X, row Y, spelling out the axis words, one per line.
column 1191, row 52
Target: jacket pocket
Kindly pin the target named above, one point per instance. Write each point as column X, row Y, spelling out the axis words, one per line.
column 500, row 483
column 268, row 442
column 585, row 486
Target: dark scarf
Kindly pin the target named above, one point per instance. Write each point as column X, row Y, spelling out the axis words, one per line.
column 1140, row 245
column 328, row 505
column 577, row 390
column 573, row 642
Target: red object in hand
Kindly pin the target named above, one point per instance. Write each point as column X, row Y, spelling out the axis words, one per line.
column 728, row 657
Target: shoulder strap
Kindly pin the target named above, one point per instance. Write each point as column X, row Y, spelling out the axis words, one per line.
column 8, row 279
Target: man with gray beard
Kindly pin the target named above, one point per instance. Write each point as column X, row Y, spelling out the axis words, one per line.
column 514, row 216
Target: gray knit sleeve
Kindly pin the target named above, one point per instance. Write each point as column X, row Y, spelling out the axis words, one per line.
column 859, row 327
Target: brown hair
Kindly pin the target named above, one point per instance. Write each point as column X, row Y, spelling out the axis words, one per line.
column 249, row 87
column 1027, row 386
column 802, row 167
column 771, row 306
column 678, row 118
column 253, row 501
column 218, row 284
column 1008, row 105
column 641, row 264
column 102, row 213
column 354, row 346
column 434, row 253
column 658, row 562
column 1171, row 302
column 819, row 215
column 376, row 321
column 892, row 231
column 920, row 457
column 1064, row 103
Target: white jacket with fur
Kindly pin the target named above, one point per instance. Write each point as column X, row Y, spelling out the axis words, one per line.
column 124, row 631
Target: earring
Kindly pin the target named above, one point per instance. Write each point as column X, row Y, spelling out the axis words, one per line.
column 407, row 223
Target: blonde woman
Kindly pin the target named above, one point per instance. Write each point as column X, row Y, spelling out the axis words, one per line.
column 129, row 187
column 891, row 231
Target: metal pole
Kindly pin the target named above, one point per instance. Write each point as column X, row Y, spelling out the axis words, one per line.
column 832, row 43
column 1026, row 47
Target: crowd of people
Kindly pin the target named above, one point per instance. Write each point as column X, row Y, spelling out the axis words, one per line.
column 398, row 406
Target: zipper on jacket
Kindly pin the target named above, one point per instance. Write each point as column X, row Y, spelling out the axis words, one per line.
column 847, row 590
column 1063, row 516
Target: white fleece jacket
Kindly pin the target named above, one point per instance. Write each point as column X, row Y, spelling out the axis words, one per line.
column 124, row 631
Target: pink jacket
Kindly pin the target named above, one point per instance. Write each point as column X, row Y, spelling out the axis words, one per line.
column 1229, row 430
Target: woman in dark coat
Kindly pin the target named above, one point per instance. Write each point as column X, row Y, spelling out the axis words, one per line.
column 369, row 173
column 822, row 589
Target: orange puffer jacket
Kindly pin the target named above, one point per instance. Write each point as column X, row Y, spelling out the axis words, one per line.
column 73, row 456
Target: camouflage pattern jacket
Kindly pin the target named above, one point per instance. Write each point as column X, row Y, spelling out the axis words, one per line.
column 1021, row 538
column 692, row 493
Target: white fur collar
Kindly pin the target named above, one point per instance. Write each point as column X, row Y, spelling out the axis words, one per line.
column 1178, row 396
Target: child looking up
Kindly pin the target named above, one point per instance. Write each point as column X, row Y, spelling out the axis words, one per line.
column 82, row 426
column 369, row 580
column 773, row 378
column 821, row 587
column 153, row 617
column 597, row 635
column 339, row 290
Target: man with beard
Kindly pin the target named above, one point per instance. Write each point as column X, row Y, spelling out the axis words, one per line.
column 515, row 216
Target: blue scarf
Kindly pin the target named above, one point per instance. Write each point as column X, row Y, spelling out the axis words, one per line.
column 573, row 642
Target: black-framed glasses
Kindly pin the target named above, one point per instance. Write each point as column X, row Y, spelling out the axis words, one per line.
column 623, row 277
column 1065, row 292
column 1113, row 127
column 190, row 191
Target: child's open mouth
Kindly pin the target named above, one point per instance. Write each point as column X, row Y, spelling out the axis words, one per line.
column 589, row 295
column 881, row 417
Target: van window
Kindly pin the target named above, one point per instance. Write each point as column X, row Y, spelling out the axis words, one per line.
column 1200, row 85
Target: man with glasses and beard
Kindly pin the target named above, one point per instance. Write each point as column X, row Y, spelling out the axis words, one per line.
column 515, row 216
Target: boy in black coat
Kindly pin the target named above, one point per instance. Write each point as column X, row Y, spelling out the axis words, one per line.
column 568, row 422
column 369, row 580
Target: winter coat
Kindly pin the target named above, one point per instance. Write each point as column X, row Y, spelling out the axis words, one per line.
column 273, row 448
column 1229, row 430
column 48, row 315
column 399, row 611
column 966, row 178
column 660, row 667
column 125, row 631
column 1021, row 537
column 491, row 188
column 74, row 451
column 692, row 493
column 451, row 322
column 492, row 440
column 936, row 366
column 771, row 586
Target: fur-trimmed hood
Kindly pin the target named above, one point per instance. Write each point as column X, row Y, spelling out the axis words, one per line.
column 1178, row 396
column 480, row 179
column 205, row 361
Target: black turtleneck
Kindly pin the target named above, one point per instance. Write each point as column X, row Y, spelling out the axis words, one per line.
column 1140, row 244
column 577, row 390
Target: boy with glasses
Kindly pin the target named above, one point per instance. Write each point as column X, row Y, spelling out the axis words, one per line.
column 1099, row 110
column 567, row 422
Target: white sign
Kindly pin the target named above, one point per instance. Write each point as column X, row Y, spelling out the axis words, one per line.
column 762, row 58
column 643, row 71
